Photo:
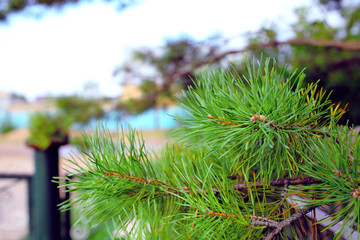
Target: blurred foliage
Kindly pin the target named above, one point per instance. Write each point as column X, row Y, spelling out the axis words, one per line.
column 8, row 7
column 47, row 129
column 134, row 106
column 148, row 86
column 165, row 80
column 79, row 109
column 6, row 126
column 329, row 52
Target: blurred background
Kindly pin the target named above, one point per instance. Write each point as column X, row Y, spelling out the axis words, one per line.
column 67, row 64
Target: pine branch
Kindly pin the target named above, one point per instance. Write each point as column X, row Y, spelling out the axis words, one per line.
column 237, row 187
column 183, row 69
column 187, row 68
column 265, row 129
column 340, row 45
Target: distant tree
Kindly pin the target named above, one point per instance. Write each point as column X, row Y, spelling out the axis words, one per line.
column 79, row 109
column 331, row 53
column 8, row 7
column 164, row 72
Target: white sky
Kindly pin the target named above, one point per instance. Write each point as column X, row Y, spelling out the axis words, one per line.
column 59, row 52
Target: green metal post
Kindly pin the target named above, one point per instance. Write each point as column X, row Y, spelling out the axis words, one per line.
column 46, row 194
column 31, row 207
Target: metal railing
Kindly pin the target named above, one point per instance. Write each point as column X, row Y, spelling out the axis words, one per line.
column 25, row 212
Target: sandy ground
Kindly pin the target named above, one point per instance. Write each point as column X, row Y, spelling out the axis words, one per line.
column 17, row 158
column 44, row 106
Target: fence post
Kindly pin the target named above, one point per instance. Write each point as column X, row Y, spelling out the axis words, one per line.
column 46, row 216
column 31, row 207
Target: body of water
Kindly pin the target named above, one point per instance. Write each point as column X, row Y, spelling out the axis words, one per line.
column 148, row 120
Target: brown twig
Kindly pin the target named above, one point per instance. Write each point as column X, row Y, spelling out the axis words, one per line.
column 261, row 223
column 287, row 222
column 280, row 182
column 256, row 219
column 135, row 179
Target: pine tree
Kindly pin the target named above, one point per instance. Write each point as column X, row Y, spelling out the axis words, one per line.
column 257, row 156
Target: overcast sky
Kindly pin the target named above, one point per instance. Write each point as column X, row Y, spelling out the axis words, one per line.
column 57, row 53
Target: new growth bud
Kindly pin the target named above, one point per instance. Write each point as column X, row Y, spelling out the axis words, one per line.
column 258, row 117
